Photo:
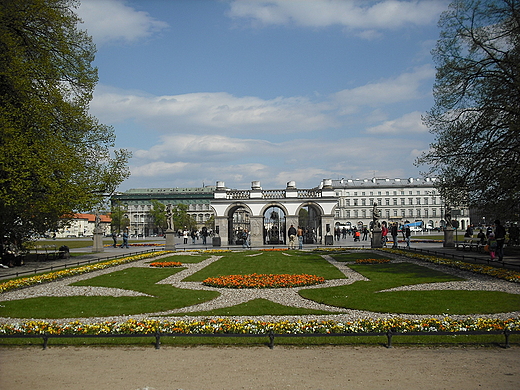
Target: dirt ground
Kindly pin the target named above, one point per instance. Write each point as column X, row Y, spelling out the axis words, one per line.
column 208, row 368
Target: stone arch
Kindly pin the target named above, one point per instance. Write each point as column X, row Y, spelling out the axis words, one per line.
column 310, row 220
column 274, row 218
column 239, row 219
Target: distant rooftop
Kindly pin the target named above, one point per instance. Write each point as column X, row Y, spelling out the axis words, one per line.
column 383, row 182
column 177, row 190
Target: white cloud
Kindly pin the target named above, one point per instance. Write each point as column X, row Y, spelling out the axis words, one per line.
column 203, row 111
column 112, row 20
column 407, row 124
column 358, row 15
column 405, row 87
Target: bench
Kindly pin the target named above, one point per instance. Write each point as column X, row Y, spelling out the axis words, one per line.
column 471, row 244
column 50, row 252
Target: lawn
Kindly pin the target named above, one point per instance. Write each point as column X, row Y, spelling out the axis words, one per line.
column 361, row 295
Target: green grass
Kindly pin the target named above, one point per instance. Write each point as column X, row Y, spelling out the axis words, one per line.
column 268, row 263
column 348, row 257
column 362, row 295
column 185, row 259
column 366, row 295
column 163, row 297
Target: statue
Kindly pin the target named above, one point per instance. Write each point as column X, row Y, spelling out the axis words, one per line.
column 447, row 217
column 169, row 217
column 376, row 214
column 97, row 222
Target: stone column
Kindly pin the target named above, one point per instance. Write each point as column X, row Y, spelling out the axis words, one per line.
column 170, row 240
column 98, row 241
column 257, row 230
column 448, row 238
column 376, row 238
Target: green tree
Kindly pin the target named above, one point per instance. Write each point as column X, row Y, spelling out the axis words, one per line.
column 120, row 220
column 181, row 218
column 56, row 158
column 158, row 213
column 476, row 115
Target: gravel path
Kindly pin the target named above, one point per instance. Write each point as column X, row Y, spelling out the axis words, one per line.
column 283, row 296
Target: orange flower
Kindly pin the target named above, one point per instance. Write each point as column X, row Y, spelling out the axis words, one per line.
column 263, row 281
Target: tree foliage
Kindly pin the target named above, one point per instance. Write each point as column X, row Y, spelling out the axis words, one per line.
column 158, row 214
column 476, row 115
column 56, row 158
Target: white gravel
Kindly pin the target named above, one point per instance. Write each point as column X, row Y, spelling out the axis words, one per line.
column 283, row 296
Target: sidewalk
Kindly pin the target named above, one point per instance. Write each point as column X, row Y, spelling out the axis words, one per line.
column 418, row 244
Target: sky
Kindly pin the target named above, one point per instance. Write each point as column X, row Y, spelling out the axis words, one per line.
column 274, row 91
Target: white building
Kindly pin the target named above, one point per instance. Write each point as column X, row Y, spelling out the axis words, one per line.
column 400, row 200
column 82, row 225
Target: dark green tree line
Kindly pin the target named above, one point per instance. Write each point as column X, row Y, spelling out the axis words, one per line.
column 56, row 158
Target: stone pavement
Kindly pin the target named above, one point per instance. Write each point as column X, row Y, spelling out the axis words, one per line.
column 84, row 255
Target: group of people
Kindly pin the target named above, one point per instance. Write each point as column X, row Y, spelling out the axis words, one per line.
column 494, row 240
column 124, row 236
column 194, row 234
column 295, row 234
column 364, row 233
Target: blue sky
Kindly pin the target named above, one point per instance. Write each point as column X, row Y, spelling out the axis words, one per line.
column 237, row 91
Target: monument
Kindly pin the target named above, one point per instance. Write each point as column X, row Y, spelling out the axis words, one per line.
column 448, row 230
column 98, row 235
column 170, row 233
column 376, row 241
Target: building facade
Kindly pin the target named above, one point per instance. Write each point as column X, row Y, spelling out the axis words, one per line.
column 137, row 204
column 83, row 225
column 399, row 200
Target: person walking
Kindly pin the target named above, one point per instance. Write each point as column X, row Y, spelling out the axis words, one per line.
column 394, row 232
column 246, row 239
column 292, row 237
column 300, row 233
column 185, row 235
column 492, row 246
column 500, row 237
column 407, row 234
column 124, row 244
column 114, row 238
column 384, row 234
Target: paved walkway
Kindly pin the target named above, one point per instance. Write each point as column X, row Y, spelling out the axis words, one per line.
column 84, row 255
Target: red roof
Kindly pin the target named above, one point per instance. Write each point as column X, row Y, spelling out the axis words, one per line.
column 92, row 217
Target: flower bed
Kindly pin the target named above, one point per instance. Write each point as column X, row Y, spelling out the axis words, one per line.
column 166, row 264
column 274, row 249
column 264, row 281
column 219, row 326
column 52, row 276
column 372, row 261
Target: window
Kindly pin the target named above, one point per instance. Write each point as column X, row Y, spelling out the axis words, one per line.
column 410, row 200
column 355, row 203
column 387, row 201
column 403, row 213
column 347, row 201
column 410, row 212
column 418, row 214
column 363, row 202
column 418, row 201
column 434, row 212
column 395, row 212
column 425, row 200
column 395, row 201
column 403, row 201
